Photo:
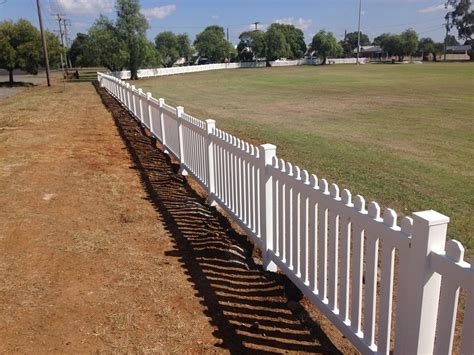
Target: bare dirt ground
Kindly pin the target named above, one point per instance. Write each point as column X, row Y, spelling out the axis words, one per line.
column 104, row 248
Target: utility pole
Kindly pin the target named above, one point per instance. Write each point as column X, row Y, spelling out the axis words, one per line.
column 61, row 36
column 358, row 33
column 446, row 38
column 43, row 40
column 66, row 24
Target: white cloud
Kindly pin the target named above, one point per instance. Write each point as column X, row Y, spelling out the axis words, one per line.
column 434, row 8
column 215, row 17
column 85, row 7
column 159, row 12
column 300, row 23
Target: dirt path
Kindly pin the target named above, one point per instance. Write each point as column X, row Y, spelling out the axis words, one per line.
column 104, row 248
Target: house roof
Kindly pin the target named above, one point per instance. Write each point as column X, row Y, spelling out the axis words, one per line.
column 370, row 49
column 461, row 48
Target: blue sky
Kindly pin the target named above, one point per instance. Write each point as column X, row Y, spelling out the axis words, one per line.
column 191, row 16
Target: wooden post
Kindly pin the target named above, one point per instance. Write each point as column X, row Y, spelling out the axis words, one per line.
column 419, row 286
column 267, row 153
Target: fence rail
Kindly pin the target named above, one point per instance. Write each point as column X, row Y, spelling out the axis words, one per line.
column 338, row 250
column 147, row 73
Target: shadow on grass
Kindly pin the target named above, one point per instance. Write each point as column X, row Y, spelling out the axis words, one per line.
column 253, row 311
column 16, row 84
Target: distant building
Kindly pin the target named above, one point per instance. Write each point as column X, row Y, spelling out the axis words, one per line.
column 461, row 49
column 372, row 52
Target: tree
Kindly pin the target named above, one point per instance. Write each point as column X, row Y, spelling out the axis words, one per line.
column 54, row 50
column 168, row 46
column 80, row 54
column 107, row 45
column 185, row 48
column 131, row 26
column 380, row 39
column 252, row 45
column 428, row 46
column 401, row 45
column 277, row 46
column 352, row 38
column 462, row 17
column 325, row 45
column 294, row 37
column 409, row 40
column 20, row 47
column 392, row 44
column 151, row 57
column 451, row 40
column 211, row 43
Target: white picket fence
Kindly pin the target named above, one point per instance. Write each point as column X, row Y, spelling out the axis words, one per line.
column 147, row 73
column 339, row 251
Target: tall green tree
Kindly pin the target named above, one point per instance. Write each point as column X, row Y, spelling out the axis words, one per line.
column 427, row 46
column 167, row 45
column 131, row 26
column 380, row 39
column 20, row 47
column 350, row 42
column 409, row 40
column 451, row 40
column 325, row 45
column 185, row 49
column 105, row 44
column 462, row 17
column 211, row 43
column 294, row 37
column 277, row 46
column 252, row 45
column 80, row 53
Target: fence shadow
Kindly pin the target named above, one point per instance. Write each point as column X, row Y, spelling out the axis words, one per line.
column 253, row 311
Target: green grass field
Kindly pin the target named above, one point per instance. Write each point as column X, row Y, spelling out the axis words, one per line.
column 402, row 135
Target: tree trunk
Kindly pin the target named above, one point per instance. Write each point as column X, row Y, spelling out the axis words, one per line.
column 324, row 61
column 10, row 73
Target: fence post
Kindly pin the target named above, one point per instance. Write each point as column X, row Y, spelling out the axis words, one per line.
column 148, row 99
column 134, row 103
column 182, row 156
column 127, row 88
column 267, row 152
column 211, row 190
column 162, row 124
column 419, row 286
column 140, row 107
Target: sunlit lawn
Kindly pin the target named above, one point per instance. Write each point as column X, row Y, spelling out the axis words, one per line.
column 402, row 135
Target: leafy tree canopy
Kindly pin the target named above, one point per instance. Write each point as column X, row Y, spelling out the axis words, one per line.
column 252, row 45
column 80, row 53
column 325, row 45
column 277, row 46
column 462, row 17
column 211, row 43
column 352, row 37
column 294, row 38
column 168, row 46
column 20, row 47
column 131, row 26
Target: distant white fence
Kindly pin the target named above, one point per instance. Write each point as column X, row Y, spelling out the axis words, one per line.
column 339, row 251
column 147, row 73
